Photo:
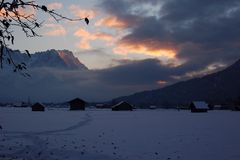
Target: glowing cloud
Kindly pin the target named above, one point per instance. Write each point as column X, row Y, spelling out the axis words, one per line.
column 82, row 33
column 162, row 82
column 87, row 36
column 111, row 21
column 55, row 30
column 136, row 48
column 81, row 13
column 28, row 11
column 83, row 44
column 101, row 36
column 55, row 5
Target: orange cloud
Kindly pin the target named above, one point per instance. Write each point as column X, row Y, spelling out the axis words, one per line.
column 146, row 49
column 55, row 30
column 87, row 36
column 162, row 82
column 82, row 13
column 102, row 36
column 55, row 5
column 111, row 21
column 28, row 11
column 82, row 33
column 83, row 44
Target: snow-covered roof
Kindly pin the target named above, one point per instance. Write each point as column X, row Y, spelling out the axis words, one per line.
column 152, row 107
column 200, row 104
column 122, row 102
column 117, row 104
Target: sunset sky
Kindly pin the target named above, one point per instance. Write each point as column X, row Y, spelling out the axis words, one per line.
column 146, row 43
column 176, row 32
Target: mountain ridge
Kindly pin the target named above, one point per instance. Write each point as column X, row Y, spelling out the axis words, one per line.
column 216, row 88
column 61, row 59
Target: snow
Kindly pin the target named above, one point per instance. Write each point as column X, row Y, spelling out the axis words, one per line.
column 200, row 105
column 105, row 135
column 58, row 59
column 120, row 103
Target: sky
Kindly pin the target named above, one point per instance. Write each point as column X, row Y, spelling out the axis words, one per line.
column 143, row 44
column 177, row 32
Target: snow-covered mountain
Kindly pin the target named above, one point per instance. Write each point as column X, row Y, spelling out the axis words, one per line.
column 59, row 59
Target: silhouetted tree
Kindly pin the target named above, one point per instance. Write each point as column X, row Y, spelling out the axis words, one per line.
column 13, row 15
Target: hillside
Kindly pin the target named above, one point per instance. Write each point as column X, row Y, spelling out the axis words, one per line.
column 59, row 59
column 216, row 88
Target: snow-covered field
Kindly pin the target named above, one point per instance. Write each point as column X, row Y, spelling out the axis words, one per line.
column 107, row 135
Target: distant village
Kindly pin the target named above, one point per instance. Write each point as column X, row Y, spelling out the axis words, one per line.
column 80, row 104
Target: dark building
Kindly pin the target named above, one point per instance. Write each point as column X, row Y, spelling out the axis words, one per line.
column 236, row 108
column 38, row 107
column 77, row 104
column 199, row 106
column 122, row 106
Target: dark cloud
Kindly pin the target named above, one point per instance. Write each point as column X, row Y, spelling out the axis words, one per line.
column 59, row 85
column 54, row 85
column 203, row 32
column 130, row 73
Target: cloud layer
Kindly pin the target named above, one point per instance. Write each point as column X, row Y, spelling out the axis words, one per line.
column 59, row 85
column 191, row 37
column 198, row 33
column 87, row 36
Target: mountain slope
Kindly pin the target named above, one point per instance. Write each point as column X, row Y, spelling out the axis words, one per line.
column 214, row 88
column 60, row 59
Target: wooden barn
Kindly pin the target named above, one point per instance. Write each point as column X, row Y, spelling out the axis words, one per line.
column 236, row 108
column 77, row 104
column 122, row 106
column 199, row 106
column 38, row 107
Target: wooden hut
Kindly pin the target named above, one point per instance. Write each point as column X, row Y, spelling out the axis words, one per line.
column 38, row 107
column 122, row 106
column 77, row 104
column 199, row 106
column 236, row 108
